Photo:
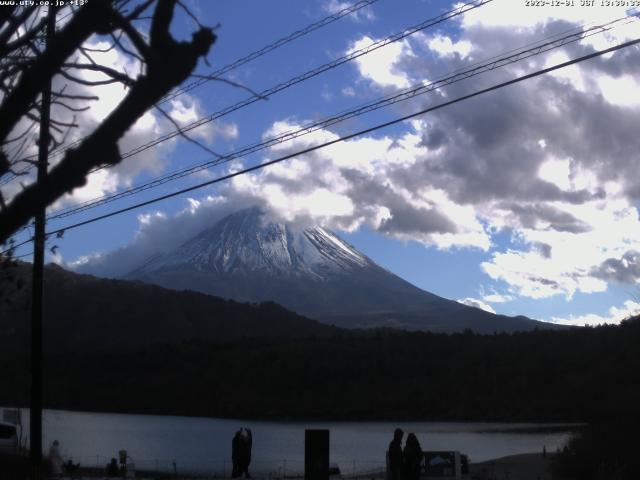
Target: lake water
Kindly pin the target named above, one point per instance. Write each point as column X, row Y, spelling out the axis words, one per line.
column 204, row 444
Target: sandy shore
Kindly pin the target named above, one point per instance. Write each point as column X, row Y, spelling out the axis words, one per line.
column 530, row 466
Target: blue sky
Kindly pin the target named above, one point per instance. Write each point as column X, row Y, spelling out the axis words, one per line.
column 523, row 201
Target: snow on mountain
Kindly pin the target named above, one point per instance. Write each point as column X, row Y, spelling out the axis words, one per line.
column 248, row 242
column 247, row 256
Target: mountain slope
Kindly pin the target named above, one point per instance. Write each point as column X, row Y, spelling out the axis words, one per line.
column 310, row 271
column 88, row 313
column 249, row 257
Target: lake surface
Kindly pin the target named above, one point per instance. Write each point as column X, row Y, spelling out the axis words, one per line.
column 204, row 444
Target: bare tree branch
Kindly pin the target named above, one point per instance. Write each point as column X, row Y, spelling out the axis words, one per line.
column 13, row 26
column 232, row 83
column 169, row 63
column 139, row 10
column 92, row 17
column 114, row 74
column 69, row 107
column 184, row 135
column 76, row 97
column 94, row 83
column 134, row 36
column 25, row 39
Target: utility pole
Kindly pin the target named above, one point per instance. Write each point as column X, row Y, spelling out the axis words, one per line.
column 35, row 412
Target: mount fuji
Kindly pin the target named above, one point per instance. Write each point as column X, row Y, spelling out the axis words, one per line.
column 249, row 257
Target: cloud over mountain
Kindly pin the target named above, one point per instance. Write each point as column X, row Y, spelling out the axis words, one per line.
column 550, row 163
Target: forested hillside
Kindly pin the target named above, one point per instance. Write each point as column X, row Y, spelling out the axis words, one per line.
column 574, row 375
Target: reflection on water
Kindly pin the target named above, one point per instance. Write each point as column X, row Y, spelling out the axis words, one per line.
column 205, row 443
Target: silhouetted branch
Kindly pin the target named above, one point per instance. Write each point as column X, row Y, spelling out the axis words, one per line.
column 184, row 135
column 93, row 17
column 13, row 24
column 76, row 97
column 69, row 107
column 232, row 83
column 114, row 74
column 168, row 64
column 190, row 14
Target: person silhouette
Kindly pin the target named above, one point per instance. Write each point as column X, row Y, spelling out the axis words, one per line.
column 112, row 468
column 412, row 456
column 245, row 452
column 55, row 458
column 236, row 447
column 395, row 455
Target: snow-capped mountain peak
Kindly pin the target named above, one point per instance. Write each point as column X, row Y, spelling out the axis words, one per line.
column 248, row 241
column 248, row 256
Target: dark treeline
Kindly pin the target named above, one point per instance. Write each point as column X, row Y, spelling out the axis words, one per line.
column 86, row 313
column 603, row 450
column 589, row 374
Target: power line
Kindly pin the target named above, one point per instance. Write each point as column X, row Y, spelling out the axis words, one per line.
column 346, row 137
column 459, row 10
column 420, row 89
column 263, row 51
column 235, row 64
column 272, row 46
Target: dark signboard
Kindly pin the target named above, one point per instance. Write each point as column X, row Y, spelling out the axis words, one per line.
column 316, row 454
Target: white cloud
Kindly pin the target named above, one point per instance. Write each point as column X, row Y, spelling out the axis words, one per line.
column 474, row 302
column 380, row 66
column 557, row 172
column 515, row 14
column 348, row 92
column 186, row 110
column 341, row 187
column 551, row 161
column 572, row 76
column 615, row 316
column 98, row 183
column 364, row 180
column 157, row 233
column 555, row 262
column 621, row 91
column 497, row 298
column 547, row 160
column 445, row 47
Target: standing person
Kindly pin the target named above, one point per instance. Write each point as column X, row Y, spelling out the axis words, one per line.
column 412, row 458
column 236, row 447
column 112, row 468
column 56, row 459
column 395, row 455
column 245, row 457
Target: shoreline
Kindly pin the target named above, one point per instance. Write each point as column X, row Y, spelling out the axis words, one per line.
column 525, row 466
column 517, row 423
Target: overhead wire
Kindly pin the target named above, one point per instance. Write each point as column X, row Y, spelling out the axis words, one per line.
column 521, row 78
column 455, row 12
column 496, row 62
column 272, row 46
column 235, row 64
